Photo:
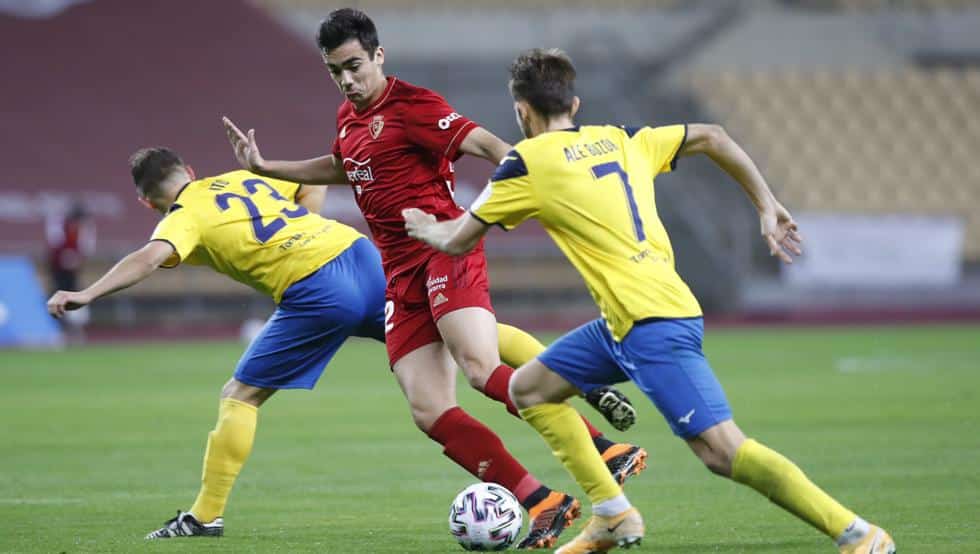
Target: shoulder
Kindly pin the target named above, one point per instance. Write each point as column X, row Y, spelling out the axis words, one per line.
column 344, row 110
column 405, row 90
column 512, row 165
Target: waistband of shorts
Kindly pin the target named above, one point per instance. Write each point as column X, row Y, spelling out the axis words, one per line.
column 646, row 320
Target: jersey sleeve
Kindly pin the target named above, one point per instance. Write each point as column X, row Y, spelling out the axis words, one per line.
column 508, row 199
column 180, row 230
column 435, row 126
column 661, row 144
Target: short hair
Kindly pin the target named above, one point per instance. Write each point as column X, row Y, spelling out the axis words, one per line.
column 346, row 24
column 151, row 167
column 545, row 79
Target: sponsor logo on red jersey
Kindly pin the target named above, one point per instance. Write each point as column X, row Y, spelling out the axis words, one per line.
column 445, row 122
column 361, row 173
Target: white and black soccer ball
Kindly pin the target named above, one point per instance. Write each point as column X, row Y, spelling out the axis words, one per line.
column 485, row 516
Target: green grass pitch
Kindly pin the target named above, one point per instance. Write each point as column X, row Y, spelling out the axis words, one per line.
column 101, row 444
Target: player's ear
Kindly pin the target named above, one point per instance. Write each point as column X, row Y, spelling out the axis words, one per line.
column 576, row 103
column 379, row 55
column 146, row 203
column 190, row 172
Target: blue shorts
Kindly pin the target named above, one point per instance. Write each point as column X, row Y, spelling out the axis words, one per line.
column 662, row 356
column 344, row 298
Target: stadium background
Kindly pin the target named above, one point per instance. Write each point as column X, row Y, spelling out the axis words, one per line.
column 852, row 108
column 861, row 113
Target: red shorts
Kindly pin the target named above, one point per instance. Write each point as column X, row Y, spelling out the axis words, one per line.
column 414, row 302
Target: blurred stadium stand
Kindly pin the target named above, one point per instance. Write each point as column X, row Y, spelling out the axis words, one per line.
column 850, row 106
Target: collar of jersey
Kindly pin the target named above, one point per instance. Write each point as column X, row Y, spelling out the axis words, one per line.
column 175, row 205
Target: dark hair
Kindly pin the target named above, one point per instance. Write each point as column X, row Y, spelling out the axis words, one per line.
column 346, row 24
column 545, row 79
column 151, row 167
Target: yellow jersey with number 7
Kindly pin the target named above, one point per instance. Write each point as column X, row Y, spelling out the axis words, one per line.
column 591, row 187
column 250, row 228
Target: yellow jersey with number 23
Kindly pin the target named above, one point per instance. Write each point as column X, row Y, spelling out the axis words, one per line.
column 250, row 228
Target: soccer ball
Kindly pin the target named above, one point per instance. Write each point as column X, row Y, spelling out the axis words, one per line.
column 485, row 516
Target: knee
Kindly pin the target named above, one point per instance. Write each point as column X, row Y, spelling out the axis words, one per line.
column 719, row 459
column 523, row 392
column 237, row 390
column 477, row 369
column 425, row 414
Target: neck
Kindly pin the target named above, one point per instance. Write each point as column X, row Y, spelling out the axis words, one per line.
column 169, row 192
column 556, row 123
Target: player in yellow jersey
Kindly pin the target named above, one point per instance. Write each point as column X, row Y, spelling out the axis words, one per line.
column 590, row 187
column 325, row 277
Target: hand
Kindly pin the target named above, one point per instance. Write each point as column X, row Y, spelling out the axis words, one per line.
column 416, row 221
column 65, row 300
column 246, row 151
column 781, row 234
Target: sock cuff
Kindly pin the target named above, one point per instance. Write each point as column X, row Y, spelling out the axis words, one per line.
column 438, row 430
column 538, row 410
column 738, row 461
column 499, row 378
column 235, row 404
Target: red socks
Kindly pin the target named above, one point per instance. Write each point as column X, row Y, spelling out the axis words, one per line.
column 498, row 388
column 479, row 450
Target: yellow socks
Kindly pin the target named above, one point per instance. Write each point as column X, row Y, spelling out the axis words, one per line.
column 562, row 428
column 516, row 347
column 782, row 482
column 228, row 447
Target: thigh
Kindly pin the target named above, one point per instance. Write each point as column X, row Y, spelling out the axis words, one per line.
column 584, row 357
column 367, row 272
column 293, row 349
column 471, row 336
column 316, row 315
column 456, row 282
column 407, row 327
column 427, row 378
column 666, row 362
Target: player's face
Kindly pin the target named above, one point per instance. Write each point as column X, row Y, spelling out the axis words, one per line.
column 357, row 75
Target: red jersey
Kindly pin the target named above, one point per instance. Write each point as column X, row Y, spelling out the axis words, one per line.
column 398, row 154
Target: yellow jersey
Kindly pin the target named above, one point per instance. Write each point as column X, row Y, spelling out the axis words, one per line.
column 591, row 187
column 249, row 228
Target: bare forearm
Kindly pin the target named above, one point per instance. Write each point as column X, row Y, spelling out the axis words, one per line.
column 316, row 171
column 130, row 270
column 440, row 236
column 454, row 237
column 733, row 160
column 486, row 145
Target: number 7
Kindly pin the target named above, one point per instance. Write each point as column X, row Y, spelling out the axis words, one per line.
column 608, row 168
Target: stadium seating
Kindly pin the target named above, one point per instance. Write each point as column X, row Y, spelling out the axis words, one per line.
column 881, row 141
column 867, row 5
column 455, row 5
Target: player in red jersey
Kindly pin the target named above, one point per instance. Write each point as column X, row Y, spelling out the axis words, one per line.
column 395, row 145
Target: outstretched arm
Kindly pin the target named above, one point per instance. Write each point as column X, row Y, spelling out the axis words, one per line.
column 484, row 144
column 324, row 170
column 130, row 270
column 453, row 236
column 778, row 228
